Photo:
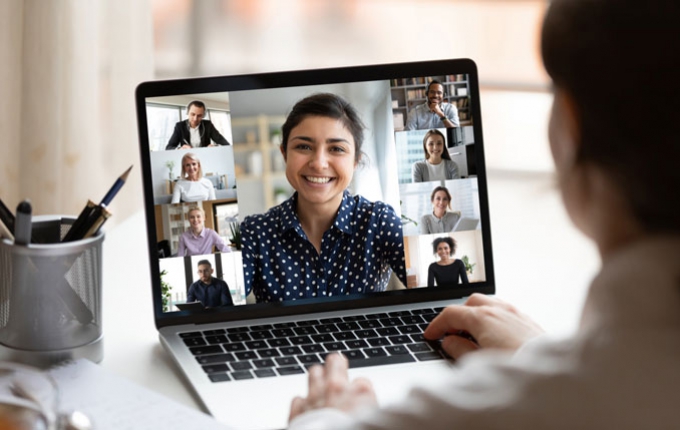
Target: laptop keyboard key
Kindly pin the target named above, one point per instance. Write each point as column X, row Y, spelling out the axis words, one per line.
column 284, row 325
column 268, row 362
column 268, row 353
column 409, row 329
column 428, row 356
column 194, row 341
column 246, row 355
column 315, row 347
column 239, row 337
column 308, row 323
column 412, row 319
column 290, row 370
column 283, row 332
column 241, row 365
column 378, row 341
column 242, row 374
column 344, row 335
column 356, row 344
column 330, row 320
column 286, row 361
column 428, row 317
column 309, row 359
column 396, row 350
column 320, row 338
column 370, row 324
column 215, row 368
column 419, row 347
column 264, row 373
column 233, row 347
column 401, row 339
column 348, row 326
column 203, row 350
column 388, row 331
column 354, row 318
column 264, row 334
column 213, row 340
column 191, row 334
column 290, row 350
column 334, row 346
column 276, row 343
column 219, row 377
column 238, row 329
column 261, row 327
column 354, row 354
column 374, row 352
column 327, row 328
column 399, row 313
column 214, row 332
column 257, row 344
column 300, row 340
column 390, row 322
column 363, row 334
column 376, row 316
column 217, row 358
column 380, row 361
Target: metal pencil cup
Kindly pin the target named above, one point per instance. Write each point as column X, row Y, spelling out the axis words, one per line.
column 50, row 296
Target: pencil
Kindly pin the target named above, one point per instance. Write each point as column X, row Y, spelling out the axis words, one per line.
column 115, row 188
column 4, row 232
column 101, row 216
column 76, row 231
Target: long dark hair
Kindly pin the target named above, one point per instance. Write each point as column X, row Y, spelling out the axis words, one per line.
column 615, row 59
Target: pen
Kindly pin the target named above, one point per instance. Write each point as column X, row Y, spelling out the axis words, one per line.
column 6, row 217
column 115, row 188
column 22, row 226
column 77, row 228
column 99, row 218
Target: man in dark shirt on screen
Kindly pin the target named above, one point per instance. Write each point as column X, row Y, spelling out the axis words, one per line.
column 211, row 292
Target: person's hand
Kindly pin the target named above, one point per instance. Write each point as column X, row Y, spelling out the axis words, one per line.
column 329, row 387
column 435, row 107
column 490, row 322
column 185, row 146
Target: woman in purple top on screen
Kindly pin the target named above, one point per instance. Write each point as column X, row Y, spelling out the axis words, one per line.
column 199, row 239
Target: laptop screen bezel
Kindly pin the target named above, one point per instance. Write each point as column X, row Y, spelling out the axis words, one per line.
column 260, row 81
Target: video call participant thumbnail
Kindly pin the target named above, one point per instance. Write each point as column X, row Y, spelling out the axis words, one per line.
column 199, row 239
column 192, row 186
column 437, row 165
column 195, row 131
column 447, row 271
column 210, row 291
column 322, row 241
column 440, row 220
column 434, row 113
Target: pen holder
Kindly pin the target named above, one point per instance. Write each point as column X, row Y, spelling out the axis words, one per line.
column 50, row 296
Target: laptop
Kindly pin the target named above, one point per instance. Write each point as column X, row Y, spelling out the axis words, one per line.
column 247, row 360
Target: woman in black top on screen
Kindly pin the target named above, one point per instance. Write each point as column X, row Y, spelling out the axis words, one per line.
column 447, row 271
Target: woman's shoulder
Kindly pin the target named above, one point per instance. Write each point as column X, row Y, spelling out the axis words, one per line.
column 363, row 204
column 273, row 214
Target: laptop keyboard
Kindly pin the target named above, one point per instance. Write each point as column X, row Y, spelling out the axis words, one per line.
column 263, row 351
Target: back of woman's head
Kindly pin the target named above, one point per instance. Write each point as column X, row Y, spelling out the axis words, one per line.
column 618, row 60
column 330, row 106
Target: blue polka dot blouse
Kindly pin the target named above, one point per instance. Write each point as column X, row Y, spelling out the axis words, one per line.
column 358, row 252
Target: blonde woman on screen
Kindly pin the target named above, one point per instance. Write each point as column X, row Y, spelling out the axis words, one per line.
column 192, row 186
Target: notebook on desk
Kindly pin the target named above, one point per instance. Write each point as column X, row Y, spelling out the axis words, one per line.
column 363, row 290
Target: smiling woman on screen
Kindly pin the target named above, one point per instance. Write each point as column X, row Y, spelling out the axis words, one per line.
column 322, row 241
column 192, row 186
column 437, row 165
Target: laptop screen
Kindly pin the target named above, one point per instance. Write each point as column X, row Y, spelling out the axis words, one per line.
column 305, row 191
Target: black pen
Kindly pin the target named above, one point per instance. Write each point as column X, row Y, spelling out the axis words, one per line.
column 6, row 217
column 23, row 225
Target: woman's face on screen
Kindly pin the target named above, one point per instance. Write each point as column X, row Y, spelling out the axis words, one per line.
column 444, row 251
column 434, row 146
column 196, row 220
column 191, row 168
column 440, row 202
column 320, row 160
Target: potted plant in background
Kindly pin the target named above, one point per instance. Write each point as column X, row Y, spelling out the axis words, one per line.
column 166, row 294
column 469, row 267
column 170, row 165
column 235, row 238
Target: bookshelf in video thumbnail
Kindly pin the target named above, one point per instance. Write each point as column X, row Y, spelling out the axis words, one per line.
column 409, row 92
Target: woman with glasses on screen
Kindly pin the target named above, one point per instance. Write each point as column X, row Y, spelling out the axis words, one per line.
column 437, row 165
column 192, row 186
column 619, row 181
column 323, row 241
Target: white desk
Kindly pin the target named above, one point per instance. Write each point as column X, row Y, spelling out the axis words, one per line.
column 542, row 264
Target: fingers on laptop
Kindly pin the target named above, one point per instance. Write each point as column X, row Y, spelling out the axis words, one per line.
column 483, row 321
column 329, row 386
